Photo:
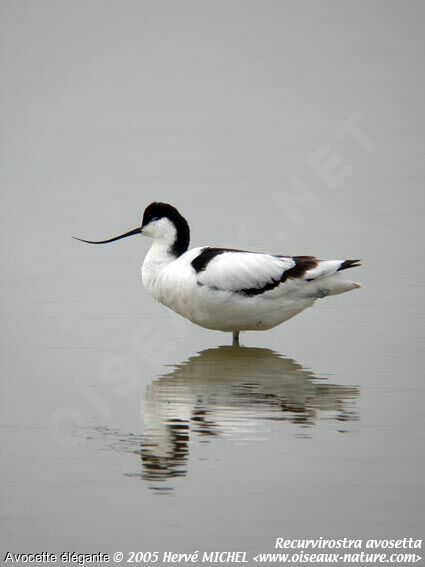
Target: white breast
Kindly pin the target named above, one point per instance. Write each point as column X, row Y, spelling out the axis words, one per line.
column 170, row 280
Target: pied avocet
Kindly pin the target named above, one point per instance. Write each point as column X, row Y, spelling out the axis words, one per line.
column 226, row 289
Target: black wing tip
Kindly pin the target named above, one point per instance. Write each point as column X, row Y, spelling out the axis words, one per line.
column 346, row 264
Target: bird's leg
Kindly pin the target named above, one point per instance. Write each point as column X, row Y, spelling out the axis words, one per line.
column 235, row 338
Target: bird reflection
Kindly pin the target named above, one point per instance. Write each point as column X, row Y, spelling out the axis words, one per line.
column 234, row 393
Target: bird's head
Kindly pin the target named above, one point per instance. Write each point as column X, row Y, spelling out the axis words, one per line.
column 163, row 223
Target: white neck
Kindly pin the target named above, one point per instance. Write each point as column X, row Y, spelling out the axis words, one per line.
column 159, row 253
column 157, row 258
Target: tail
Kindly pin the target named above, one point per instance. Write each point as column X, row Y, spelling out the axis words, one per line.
column 349, row 264
column 325, row 280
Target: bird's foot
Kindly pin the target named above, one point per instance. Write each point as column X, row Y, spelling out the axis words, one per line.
column 235, row 342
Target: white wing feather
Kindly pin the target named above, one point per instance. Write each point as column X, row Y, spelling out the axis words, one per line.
column 234, row 271
column 248, row 271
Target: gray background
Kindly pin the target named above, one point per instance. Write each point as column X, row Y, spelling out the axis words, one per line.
column 107, row 106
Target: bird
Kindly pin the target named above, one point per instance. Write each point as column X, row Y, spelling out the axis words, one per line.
column 227, row 289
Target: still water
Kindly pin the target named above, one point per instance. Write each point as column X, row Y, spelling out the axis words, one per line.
column 232, row 393
column 125, row 428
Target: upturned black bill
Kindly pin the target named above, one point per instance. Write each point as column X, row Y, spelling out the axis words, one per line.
column 130, row 233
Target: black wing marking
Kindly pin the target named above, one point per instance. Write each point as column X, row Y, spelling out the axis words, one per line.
column 262, row 272
column 349, row 264
column 302, row 264
column 207, row 254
